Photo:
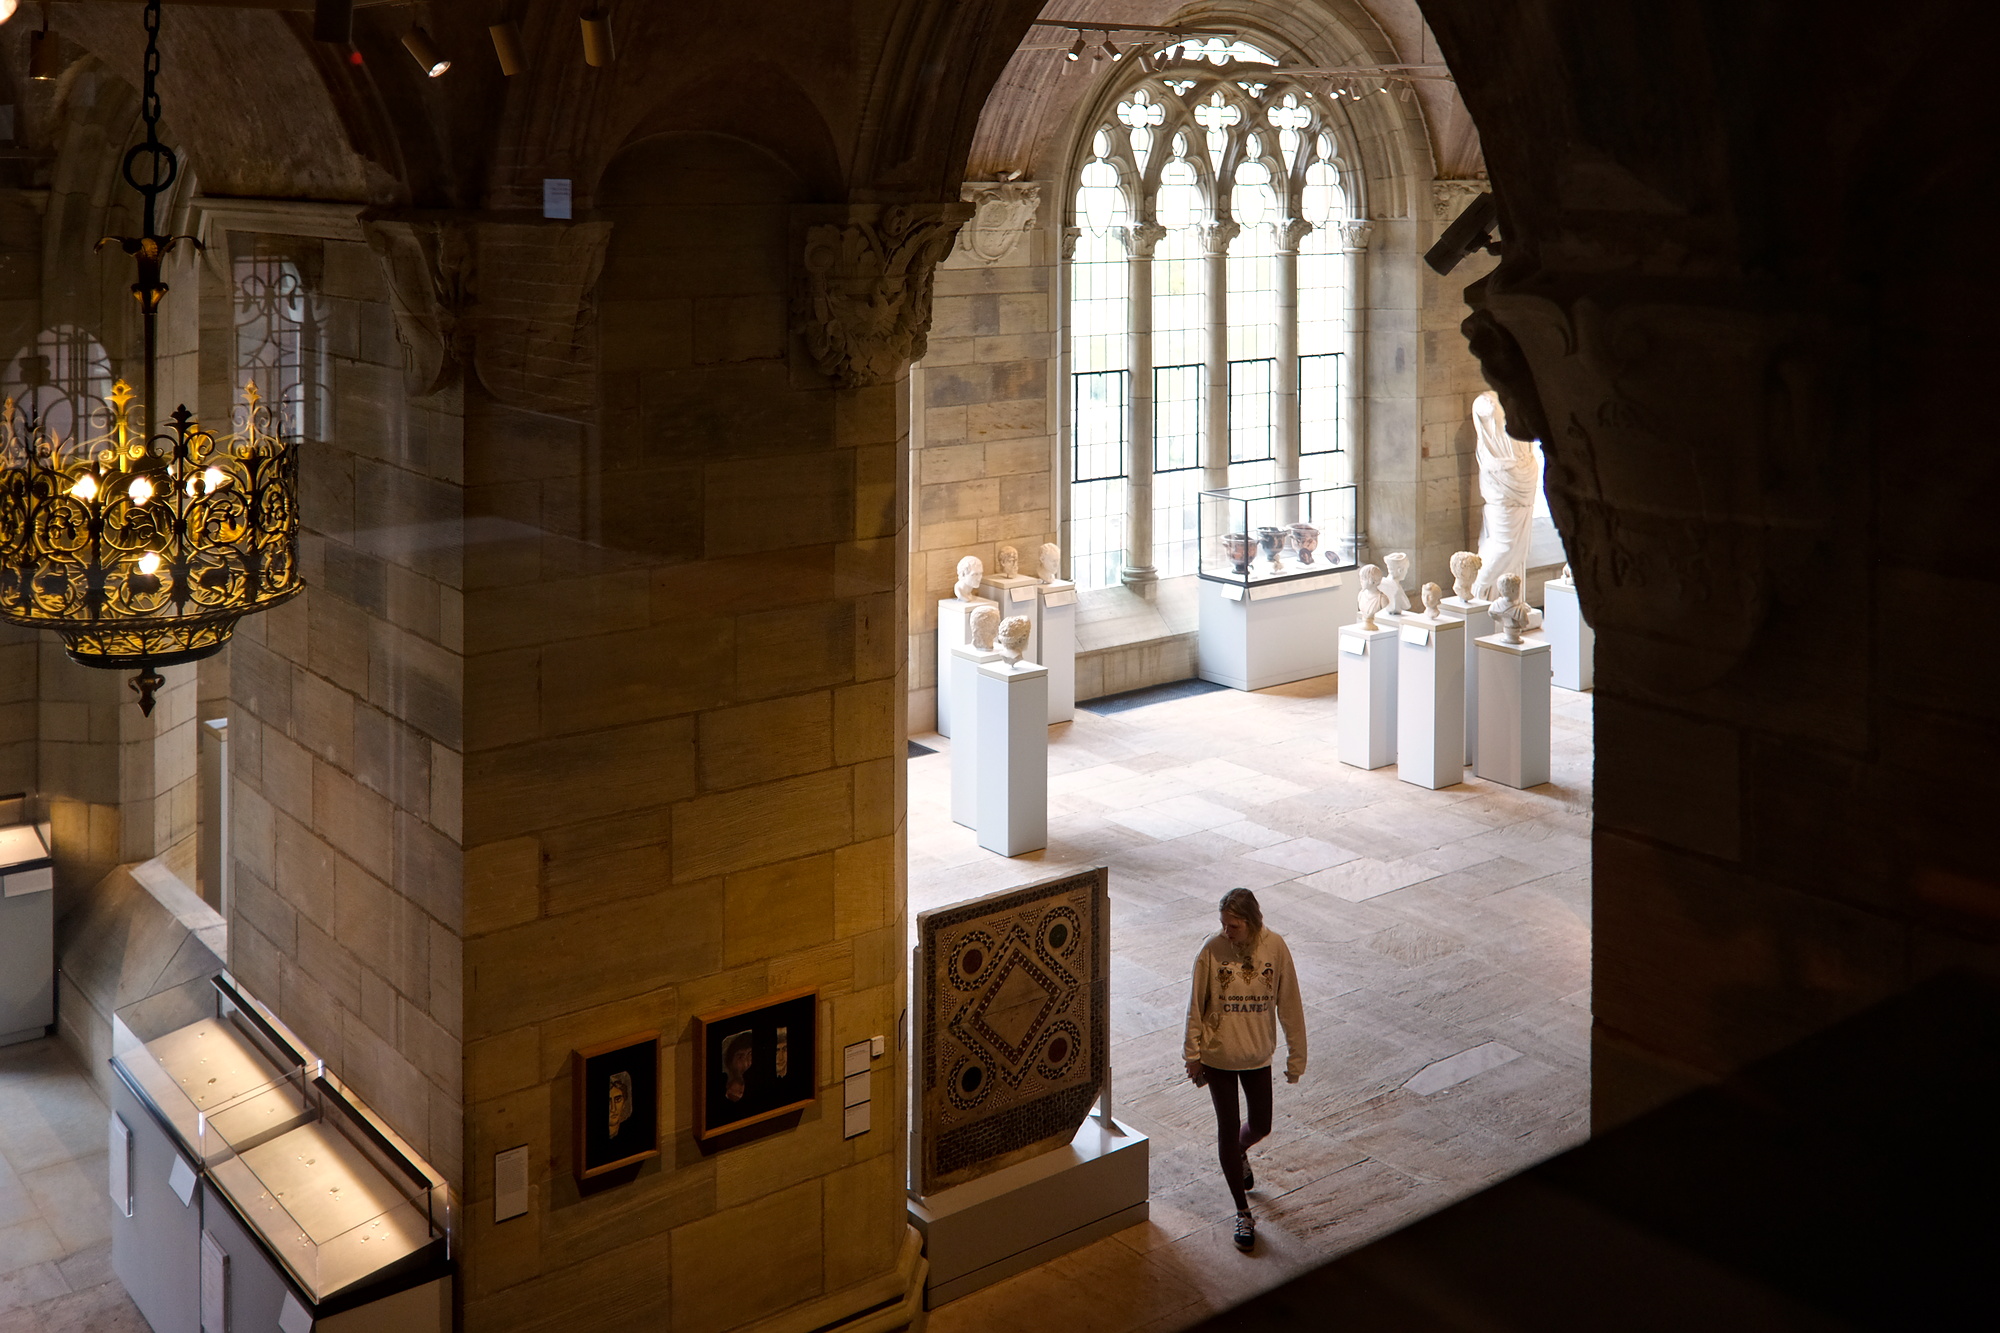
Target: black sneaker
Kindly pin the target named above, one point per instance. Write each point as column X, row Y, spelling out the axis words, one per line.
column 1249, row 1177
column 1246, row 1232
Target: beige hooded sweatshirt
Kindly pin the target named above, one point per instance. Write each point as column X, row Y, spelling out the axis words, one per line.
column 1236, row 1006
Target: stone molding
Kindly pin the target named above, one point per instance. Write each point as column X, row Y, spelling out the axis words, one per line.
column 1002, row 213
column 863, row 297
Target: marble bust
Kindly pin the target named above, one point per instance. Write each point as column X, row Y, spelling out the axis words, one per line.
column 1464, row 574
column 971, row 573
column 985, row 626
column 1010, row 562
column 1050, row 563
column 1013, row 637
column 1370, row 601
column 1398, row 564
column 1511, row 615
column 1433, row 596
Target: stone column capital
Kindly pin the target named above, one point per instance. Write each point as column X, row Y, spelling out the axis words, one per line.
column 863, row 297
column 1290, row 233
column 1216, row 236
column 1355, row 235
column 1141, row 239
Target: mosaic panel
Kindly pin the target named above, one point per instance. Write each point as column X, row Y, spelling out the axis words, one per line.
column 1014, row 1018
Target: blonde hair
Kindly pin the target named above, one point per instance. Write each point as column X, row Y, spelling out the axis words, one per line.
column 1243, row 903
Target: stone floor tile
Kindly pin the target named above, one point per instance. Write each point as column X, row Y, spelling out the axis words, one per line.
column 104, row 1308
column 50, row 1119
column 27, row 1243
column 31, row 1286
column 72, row 1200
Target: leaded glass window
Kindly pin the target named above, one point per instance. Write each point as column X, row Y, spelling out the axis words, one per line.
column 280, row 345
column 1179, row 158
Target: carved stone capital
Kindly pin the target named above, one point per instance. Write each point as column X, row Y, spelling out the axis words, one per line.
column 1449, row 197
column 1002, row 213
column 1069, row 239
column 1140, row 240
column 864, row 293
column 1216, row 236
column 1290, row 232
column 536, row 345
column 1709, row 522
column 429, row 266
column 1355, row 235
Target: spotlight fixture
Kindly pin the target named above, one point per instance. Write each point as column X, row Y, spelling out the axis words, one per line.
column 41, row 55
column 142, row 549
column 507, row 47
column 425, row 51
column 1076, row 51
column 597, row 52
column 1147, row 63
column 333, row 21
column 1110, row 48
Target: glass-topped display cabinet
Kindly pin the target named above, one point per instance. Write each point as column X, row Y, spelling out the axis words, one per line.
column 330, row 1192
column 1272, row 531
column 204, row 1049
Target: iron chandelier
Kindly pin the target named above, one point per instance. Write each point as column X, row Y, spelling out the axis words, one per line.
column 143, row 549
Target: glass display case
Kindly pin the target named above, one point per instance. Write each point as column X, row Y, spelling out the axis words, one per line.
column 1276, row 530
column 202, row 1049
column 330, row 1193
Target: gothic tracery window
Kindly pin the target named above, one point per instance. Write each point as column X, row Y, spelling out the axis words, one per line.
column 279, row 342
column 1223, row 363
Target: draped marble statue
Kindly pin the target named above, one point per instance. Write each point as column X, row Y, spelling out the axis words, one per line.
column 1507, row 486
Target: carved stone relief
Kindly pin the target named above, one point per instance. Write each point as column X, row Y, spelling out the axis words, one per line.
column 1449, row 197
column 864, row 294
column 1002, row 213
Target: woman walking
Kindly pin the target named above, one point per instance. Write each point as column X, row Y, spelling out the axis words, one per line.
column 1244, row 987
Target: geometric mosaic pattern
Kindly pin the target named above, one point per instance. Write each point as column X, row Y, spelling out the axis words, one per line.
column 1014, row 1017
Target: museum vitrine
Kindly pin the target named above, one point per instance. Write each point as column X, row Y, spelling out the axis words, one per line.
column 1276, row 530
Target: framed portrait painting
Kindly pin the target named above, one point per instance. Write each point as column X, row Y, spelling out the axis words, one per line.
column 755, row 1062
column 616, row 1099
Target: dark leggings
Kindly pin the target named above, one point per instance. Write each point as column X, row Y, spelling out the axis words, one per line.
column 1233, row 1138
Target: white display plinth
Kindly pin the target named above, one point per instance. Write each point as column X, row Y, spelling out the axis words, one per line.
column 964, row 668
column 954, row 630
column 1367, row 696
column 1058, row 631
column 980, row 1232
column 1256, row 637
column 1513, row 711
column 1013, row 757
column 1430, row 701
column 1572, row 642
column 27, row 933
column 1478, row 624
column 1019, row 595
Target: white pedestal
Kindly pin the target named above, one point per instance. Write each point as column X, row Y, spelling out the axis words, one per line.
column 1513, row 711
column 980, row 1232
column 1367, row 696
column 27, row 939
column 954, row 622
column 1478, row 624
column 1572, row 642
column 1058, row 631
column 1430, row 701
column 1019, row 595
column 1256, row 637
column 1013, row 757
column 964, row 668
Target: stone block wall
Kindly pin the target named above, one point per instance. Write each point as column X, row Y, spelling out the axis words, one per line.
column 685, row 747
column 346, row 709
column 983, row 460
